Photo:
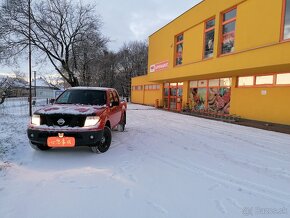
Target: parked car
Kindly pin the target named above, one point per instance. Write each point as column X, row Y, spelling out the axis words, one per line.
column 80, row 116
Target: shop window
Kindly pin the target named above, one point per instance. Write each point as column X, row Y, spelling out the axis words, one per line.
column 179, row 49
column 202, row 83
column 173, row 103
column 153, row 87
column 209, row 38
column 219, row 99
column 265, row 80
column 214, row 98
column 193, row 84
column 198, row 98
column 165, row 102
column 137, row 88
column 246, row 81
column 283, row 79
column 213, row 82
column 173, row 91
column 226, row 82
column 228, row 31
column 286, row 20
column 166, row 92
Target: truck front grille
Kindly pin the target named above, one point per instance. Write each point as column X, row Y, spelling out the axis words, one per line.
column 63, row 120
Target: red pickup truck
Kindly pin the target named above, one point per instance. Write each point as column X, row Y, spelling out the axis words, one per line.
column 80, row 116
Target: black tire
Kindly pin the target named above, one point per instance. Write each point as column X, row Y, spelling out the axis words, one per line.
column 105, row 143
column 122, row 124
column 39, row 147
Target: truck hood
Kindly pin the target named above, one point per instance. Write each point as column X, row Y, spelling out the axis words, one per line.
column 71, row 109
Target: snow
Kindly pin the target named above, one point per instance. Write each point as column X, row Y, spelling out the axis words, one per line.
column 70, row 110
column 40, row 82
column 164, row 165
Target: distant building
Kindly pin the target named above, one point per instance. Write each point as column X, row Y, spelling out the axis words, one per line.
column 17, row 87
column 13, row 87
column 43, row 89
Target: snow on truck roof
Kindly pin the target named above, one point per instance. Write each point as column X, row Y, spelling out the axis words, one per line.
column 90, row 88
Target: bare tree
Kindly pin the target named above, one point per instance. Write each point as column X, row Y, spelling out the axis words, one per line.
column 86, row 55
column 132, row 61
column 57, row 26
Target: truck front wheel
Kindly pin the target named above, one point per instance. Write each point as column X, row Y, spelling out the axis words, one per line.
column 103, row 145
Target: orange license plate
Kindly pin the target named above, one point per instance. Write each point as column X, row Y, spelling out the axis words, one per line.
column 61, row 142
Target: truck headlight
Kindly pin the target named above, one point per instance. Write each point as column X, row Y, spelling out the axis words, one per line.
column 35, row 120
column 91, row 121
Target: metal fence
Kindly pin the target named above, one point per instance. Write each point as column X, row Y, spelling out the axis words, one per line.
column 20, row 106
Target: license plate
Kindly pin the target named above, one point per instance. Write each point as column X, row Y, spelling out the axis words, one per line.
column 61, row 142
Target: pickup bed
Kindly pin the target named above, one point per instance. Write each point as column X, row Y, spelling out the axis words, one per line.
column 80, row 116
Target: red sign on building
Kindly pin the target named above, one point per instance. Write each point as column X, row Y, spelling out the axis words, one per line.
column 158, row 67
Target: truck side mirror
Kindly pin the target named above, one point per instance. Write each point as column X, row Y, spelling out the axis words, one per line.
column 51, row 101
column 115, row 103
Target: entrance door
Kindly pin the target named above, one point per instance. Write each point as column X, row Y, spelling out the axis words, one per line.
column 173, row 96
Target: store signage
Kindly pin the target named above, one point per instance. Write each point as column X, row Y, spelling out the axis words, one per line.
column 158, row 67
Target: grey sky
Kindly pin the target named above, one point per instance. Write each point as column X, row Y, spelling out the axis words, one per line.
column 136, row 20
column 124, row 21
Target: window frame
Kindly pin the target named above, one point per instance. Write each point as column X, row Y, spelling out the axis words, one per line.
column 152, row 87
column 206, row 30
column 281, row 85
column 274, row 84
column 175, row 48
column 137, row 88
column 283, row 22
column 222, row 24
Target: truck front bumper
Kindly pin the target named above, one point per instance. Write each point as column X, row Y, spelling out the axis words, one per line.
column 84, row 138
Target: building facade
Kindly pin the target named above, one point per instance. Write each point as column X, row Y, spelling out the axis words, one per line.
column 222, row 56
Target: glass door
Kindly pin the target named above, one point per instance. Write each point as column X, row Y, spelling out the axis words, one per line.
column 173, row 96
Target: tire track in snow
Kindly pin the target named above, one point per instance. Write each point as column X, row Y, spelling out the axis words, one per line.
column 225, row 179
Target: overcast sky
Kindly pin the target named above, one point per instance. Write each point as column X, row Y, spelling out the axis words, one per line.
column 136, row 20
column 128, row 20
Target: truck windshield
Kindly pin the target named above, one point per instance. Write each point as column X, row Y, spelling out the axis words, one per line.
column 84, row 97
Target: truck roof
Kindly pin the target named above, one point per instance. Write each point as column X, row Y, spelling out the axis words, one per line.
column 91, row 88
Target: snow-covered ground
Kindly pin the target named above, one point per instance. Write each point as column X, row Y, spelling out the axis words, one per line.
column 164, row 165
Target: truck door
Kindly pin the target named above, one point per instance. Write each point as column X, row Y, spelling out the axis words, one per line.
column 118, row 109
column 115, row 112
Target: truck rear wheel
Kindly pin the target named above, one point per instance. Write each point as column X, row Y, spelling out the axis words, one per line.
column 103, row 145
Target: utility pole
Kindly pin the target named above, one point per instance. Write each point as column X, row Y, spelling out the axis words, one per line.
column 29, row 47
column 34, row 83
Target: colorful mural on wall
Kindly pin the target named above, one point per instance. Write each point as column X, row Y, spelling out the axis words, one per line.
column 214, row 99
column 219, row 100
column 198, row 98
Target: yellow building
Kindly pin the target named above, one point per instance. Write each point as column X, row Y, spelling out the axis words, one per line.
column 222, row 56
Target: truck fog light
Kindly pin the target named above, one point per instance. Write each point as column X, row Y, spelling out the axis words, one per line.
column 92, row 137
column 32, row 135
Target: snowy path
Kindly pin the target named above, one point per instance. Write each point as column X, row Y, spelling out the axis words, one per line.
column 164, row 165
